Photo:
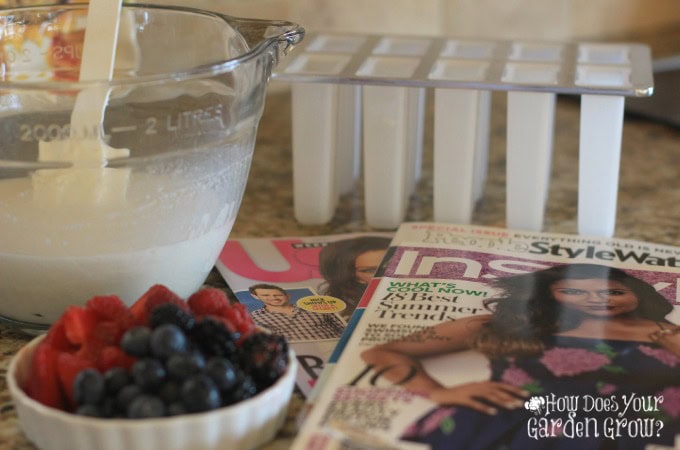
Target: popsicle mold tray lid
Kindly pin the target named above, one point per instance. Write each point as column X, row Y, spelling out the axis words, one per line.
column 358, row 80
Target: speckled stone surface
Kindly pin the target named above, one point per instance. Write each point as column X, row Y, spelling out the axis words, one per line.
column 648, row 205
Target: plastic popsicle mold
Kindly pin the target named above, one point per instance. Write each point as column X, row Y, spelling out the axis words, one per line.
column 390, row 74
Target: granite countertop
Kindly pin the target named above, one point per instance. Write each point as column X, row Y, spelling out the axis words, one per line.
column 648, row 202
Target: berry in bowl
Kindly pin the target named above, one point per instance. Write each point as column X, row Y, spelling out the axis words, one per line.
column 164, row 373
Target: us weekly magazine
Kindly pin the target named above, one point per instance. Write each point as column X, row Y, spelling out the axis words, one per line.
column 304, row 288
column 483, row 338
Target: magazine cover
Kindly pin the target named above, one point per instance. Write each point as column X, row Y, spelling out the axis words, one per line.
column 303, row 288
column 484, row 338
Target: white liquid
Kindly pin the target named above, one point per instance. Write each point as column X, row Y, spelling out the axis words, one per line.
column 37, row 288
column 168, row 229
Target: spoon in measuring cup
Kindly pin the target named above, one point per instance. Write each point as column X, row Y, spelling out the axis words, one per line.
column 88, row 179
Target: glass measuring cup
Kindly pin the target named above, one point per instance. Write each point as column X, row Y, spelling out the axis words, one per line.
column 148, row 195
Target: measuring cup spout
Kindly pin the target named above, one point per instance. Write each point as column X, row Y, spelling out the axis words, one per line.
column 275, row 36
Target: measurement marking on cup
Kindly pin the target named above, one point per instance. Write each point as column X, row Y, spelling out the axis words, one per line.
column 123, row 129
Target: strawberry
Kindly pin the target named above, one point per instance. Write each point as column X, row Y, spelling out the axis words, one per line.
column 43, row 385
column 208, row 301
column 113, row 356
column 56, row 337
column 156, row 295
column 68, row 366
column 78, row 324
column 90, row 349
column 107, row 333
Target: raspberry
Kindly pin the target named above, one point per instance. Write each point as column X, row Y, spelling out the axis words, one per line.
column 110, row 308
column 208, row 301
column 238, row 315
column 213, row 338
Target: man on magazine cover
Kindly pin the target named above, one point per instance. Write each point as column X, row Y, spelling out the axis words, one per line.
column 279, row 316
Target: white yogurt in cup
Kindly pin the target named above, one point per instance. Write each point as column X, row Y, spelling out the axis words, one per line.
column 150, row 194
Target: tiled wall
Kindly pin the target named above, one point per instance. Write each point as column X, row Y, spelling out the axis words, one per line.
column 516, row 19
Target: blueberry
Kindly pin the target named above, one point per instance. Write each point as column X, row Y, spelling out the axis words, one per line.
column 171, row 313
column 127, row 395
column 170, row 392
column 89, row 411
column 175, row 409
column 89, row 387
column 148, row 373
column 213, row 338
column 200, row 393
column 115, row 379
column 136, row 341
column 244, row 389
column 222, row 372
column 146, row 406
column 183, row 365
column 109, row 407
column 167, row 340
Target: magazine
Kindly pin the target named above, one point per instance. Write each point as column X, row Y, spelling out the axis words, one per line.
column 483, row 338
column 304, row 288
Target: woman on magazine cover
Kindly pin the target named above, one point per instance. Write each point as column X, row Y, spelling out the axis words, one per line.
column 582, row 330
column 348, row 266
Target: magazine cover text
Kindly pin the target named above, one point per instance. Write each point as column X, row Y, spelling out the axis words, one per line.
column 510, row 342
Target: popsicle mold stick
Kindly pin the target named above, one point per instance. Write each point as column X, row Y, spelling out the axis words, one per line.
column 386, row 156
column 314, row 152
column 456, row 144
column 530, row 121
column 482, row 144
column 390, row 131
column 416, row 133
column 601, row 126
column 348, row 137
column 461, row 127
column 324, row 136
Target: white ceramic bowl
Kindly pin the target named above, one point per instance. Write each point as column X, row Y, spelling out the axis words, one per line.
column 246, row 425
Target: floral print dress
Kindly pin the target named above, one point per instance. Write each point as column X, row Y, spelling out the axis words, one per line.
column 585, row 394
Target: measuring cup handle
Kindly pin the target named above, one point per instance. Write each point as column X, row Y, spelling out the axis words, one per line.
column 265, row 33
